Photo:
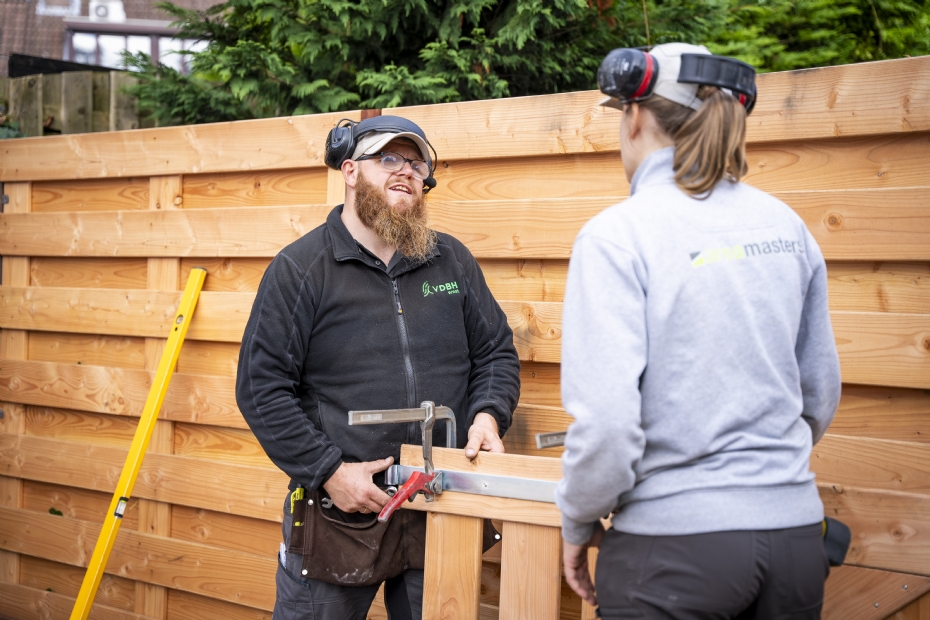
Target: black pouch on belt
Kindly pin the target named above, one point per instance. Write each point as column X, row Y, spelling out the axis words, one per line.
column 836, row 539
column 354, row 549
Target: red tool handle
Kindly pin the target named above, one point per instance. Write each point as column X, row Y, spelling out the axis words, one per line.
column 415, row 483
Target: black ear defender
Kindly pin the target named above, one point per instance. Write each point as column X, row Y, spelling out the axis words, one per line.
column 343, row 138
column 628, row 74
column 722, row 72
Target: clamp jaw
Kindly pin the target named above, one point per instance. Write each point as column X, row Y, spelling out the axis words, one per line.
column 429, row 481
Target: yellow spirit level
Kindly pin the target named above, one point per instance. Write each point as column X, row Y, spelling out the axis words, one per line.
column 140, row 442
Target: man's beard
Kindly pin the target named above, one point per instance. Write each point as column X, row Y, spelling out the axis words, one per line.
column 406, row 228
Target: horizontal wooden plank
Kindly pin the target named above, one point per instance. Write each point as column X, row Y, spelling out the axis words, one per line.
column 891, row 530
column 883, row 413
column 75, row 503
column 879, row 287
column 89, row 272
column 66, row 580
column 812, row 103
column 233, row 275
column 859, row 224
column 91, row 195
column 80, row 426
column 806, row 104
column 186, row 606
column 224, row 444
column 884, row 349
column 526, row 280
column 193, row 567
column 267, row 144
column 516, row 510
column 872, row 463
column 853, row 593
column 209, row 358
column 875, row 348
column 91, row 349
column 33, row 604
column 249, row 189
column 228, row 531
column 124, row 312
column 199, row 399
column 528, row 420
column 200, row 483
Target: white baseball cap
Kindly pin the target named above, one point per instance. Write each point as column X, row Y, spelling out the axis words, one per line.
column 668, row 58
column 375, row 141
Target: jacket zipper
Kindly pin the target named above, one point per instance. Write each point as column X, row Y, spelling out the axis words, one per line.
column 405, row 347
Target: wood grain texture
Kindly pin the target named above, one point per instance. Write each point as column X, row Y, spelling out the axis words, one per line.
column 190, row 398
column 531, row 573
column 91, row 195
column 209, row 358
column 224, row 444
column 186, row 606
column 537, row 329
column 872, row 463
column 284, row 142
column 540, row 384
column 232, row 275
column 34, row 604
column 66, row 580
column 528, row 420
column 80, row 426
column 853, row 593
column 87, row 349
column 222, row 574
column 526, row 280
column 249, row 189
column 452, row 567
column 225, row 530
column 879, row 287
column 884, row 349
column 89, row 272
column 198, row 483
column 891, row 530
column 74, row 503
column 883, row 413
column 916, row 610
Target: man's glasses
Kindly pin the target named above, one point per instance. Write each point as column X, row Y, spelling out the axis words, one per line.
column 395, row 162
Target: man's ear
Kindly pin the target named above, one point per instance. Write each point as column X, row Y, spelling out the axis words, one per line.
column 350, row 172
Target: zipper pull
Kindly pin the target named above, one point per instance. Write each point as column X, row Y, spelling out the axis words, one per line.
column 397, row 297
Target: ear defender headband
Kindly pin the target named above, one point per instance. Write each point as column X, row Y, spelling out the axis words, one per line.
column 344, row 137
column 630, row 75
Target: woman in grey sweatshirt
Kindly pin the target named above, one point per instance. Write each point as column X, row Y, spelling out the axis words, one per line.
column 699, row 364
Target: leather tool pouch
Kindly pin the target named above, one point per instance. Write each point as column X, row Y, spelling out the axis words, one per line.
column 354, row 549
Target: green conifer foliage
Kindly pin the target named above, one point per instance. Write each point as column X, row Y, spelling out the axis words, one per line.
column 279, row 57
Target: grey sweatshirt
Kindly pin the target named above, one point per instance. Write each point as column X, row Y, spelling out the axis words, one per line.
column 698, row 361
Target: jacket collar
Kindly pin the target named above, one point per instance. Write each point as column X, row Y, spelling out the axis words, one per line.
column 656, row 169
column 345, row 246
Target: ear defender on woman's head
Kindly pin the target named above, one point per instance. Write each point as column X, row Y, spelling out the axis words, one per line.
column 674, row 71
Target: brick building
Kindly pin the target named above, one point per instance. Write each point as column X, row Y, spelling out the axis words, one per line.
column 65, row 30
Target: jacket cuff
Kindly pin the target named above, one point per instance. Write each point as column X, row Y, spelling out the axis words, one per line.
column 330, row 473
column 575, row 532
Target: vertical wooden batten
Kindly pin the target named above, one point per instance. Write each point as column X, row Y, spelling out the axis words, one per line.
column 14, row 345
column 164, row 274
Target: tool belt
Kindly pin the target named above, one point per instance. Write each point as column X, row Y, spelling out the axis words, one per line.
column 350, row 548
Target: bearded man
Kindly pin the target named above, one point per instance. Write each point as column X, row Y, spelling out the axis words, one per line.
column 371, row 310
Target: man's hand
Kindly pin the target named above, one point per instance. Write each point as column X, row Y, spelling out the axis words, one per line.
column 483, row 435
column 352, row 490
column 577, row 571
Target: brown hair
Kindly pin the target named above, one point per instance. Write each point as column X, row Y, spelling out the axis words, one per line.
column 710, row 143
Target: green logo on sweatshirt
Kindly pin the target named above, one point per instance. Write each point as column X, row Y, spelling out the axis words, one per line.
column 450, row 288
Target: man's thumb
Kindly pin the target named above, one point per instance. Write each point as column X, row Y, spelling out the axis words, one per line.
column 381, row 464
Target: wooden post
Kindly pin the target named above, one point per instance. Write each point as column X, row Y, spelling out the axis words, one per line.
column 124, row 110
column 452, row 579
column 14, row 345
column 588, row 612
column 164, row 274
column 531, row 576
column 100, row 116
column 51, row 102
column 26, row 103
column 77, row 101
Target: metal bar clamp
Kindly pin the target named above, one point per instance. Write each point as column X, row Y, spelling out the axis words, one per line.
column 429, row 482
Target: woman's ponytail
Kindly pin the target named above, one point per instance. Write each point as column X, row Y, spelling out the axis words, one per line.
column 710, row 144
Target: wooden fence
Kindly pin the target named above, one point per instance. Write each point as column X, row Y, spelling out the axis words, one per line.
column 101, row 230
column 71, row 102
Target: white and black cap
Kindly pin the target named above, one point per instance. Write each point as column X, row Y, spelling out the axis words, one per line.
column 375, row 141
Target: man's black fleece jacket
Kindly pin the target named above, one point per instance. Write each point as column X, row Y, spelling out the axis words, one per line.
column 334, row 330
